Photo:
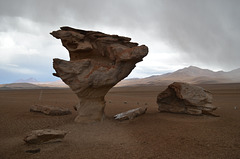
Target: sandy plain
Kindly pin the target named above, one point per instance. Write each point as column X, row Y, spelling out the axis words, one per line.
column 153, row 135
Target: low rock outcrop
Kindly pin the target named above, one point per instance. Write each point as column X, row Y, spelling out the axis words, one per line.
column 131, row 114
column 50, row 110
column 44, row 136
column 98, row 61
column 185, row 98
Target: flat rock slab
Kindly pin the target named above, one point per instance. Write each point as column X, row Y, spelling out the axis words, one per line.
column 45, row 136
column 131, row 114
column 50, row 110
column 185, row 98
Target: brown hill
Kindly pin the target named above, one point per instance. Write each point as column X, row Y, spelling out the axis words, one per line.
column 192, row 74
column 33, row 85
column 56, row 84
column 19, row 86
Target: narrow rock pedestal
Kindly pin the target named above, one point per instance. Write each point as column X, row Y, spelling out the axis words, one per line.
column 98, row 61
column 90, row 110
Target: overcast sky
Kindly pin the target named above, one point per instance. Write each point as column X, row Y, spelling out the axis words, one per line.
column 179, row 33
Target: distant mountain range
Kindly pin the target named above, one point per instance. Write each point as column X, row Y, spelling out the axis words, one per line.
column 19, row 86
column 29, row 80
column 33, row 85
column 191, row 74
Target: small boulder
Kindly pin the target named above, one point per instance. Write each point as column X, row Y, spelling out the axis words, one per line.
column 131, row 114
column 50, row 110
column 185, row 98
column 44, row 136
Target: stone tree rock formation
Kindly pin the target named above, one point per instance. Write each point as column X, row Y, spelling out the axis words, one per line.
column 185, row 98
column 98, row 61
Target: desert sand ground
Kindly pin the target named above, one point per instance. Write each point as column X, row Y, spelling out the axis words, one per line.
column 153, row 135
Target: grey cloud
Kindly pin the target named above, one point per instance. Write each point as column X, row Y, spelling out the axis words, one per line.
column 29, row 66
column 129, row 14
column 8, row 77
column 204, row 31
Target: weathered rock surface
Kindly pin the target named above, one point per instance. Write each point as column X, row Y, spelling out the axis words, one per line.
column 131, row 114
column 44, row 136
column 98, row 61
column 185, row 98
column 49, row 110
